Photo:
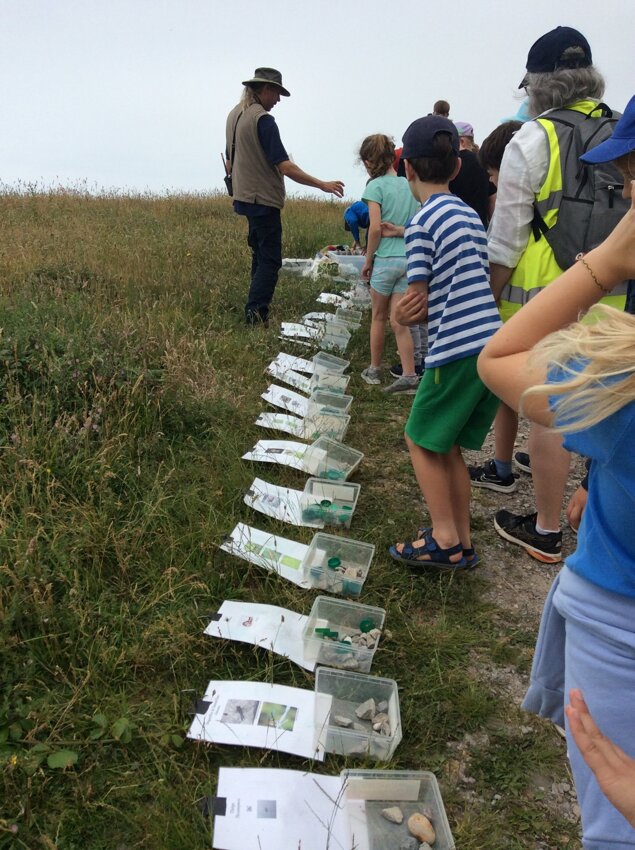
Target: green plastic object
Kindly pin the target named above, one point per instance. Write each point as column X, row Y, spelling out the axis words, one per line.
column 366, row 626
column 333, row 564
column 334, row 474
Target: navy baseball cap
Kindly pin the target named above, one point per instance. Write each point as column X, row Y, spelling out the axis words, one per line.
column 546, row 54
column 621, row 142
column 418, row 140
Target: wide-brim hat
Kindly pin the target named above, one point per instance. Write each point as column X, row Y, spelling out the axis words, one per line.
column 546, row 54
column 270, row 76
column 621, row 142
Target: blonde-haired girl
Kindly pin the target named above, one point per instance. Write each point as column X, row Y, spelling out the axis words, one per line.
column 389, row 199
column 580, row 379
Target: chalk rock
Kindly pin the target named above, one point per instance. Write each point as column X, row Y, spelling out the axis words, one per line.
column 367, row 710
column 382, row 706
column 349, row 663
column 425, row 846
column 342, row 721
column 421, row 828
column 380, row 718
column 409, row 843
column 374, row 634
column 393, row 814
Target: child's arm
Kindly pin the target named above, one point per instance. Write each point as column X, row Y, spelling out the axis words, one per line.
column 373, row 238
column 503, row 362
column 413, row 307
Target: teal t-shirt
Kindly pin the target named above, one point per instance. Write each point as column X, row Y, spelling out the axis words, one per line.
column 397, row 204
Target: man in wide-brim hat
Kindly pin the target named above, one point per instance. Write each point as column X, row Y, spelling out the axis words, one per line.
column 259, row 163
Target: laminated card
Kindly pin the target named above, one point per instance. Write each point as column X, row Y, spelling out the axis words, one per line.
column 286, row 399
column 259, row 714
column 281, row 503
column 267, row 626
column 273, row 553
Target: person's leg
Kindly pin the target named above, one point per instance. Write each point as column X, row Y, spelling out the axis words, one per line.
column 505, row 431
column 550, row 469
column 600, row 661
column 460, row 492
column 380, row 309
column 265, row 232
column 415, row 333
column 403, row 338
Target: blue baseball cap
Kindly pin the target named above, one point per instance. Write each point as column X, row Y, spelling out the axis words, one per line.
column 418, row 140
column 621, row 142
column 546, row 54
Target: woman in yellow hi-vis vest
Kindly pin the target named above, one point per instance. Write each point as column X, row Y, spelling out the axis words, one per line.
column 560, row 75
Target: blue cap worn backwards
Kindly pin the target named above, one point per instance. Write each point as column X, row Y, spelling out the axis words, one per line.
column 621, row 142
column 548, row 53
column 418, row 140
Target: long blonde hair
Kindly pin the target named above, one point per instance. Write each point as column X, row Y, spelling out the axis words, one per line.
column 597, row 358
column 377, row 152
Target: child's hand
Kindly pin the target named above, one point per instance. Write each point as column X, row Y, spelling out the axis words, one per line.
column 367, row 269
column 412, row 308
column 613, row 769
column 388, row 230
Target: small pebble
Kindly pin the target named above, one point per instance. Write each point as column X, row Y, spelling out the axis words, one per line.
column 382, row 706
column 393, row 814
column 425, row 846
column 348, row 664
column 367, row 710
column 409, row 843
column 342, row 721
column 421, row 828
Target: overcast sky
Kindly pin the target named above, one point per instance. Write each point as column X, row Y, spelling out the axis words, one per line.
column 133, row 94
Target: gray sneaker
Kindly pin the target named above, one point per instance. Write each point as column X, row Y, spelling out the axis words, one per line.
column 372, row 375
column 406, row 385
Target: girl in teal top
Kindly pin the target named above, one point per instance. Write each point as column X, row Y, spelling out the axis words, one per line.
column 389, row 199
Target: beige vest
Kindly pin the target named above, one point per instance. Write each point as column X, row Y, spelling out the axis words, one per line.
column 255, row 180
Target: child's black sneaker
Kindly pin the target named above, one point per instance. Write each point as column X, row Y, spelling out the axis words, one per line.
column 487, row 476
column 397, row 371
column 521, row 530
column 523, row 461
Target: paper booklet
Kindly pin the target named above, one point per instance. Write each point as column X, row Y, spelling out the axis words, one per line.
column 298, row 364
column 273, row 553
column 331, row 298
column 284, row 422
column 294, row 379
column 286, row 399
column 280, row 503
column 267, row 626
column 259, row 714
column 273, row 809
column 329, row 425
column 287, row 453
column 300, row 331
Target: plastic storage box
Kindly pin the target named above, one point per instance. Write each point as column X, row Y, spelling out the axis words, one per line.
column 360, row 297
column 368, row 792
column 324, row 362
column 326, row 458
column 338, row 564
column 330, row 621
column 336, row 336
column 324, row 401
column 326, row 425
column 343, row 695
column 332, row 503
column 349, row 317
column 329, row 381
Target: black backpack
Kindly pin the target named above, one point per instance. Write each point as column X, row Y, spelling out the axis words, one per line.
column 592, row 202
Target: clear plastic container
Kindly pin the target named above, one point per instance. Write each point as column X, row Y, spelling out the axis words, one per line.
column 329, row 381
column 325, row 401
column 326, row 458
column 368, row 792
column 356, row 260
column 323, row 362
column 336, row 336
column 326, row 425
column 332, row 503
column 344, row 694
column 330, row 621
column 360, row 297
column 338, row 564
column 349, row 317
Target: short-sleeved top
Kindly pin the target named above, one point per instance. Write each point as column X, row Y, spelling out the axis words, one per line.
column 398, row 205
column 605, row 554
column 446, row 247
column 271, row 143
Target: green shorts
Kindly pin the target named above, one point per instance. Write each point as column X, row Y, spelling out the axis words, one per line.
column 452, row 407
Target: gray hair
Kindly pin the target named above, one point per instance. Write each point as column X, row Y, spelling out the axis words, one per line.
column 557, row 89
column 250, row 95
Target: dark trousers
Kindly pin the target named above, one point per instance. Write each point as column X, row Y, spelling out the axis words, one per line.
column 265, row 240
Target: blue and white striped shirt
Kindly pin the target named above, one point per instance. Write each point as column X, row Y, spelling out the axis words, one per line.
column 447, row 248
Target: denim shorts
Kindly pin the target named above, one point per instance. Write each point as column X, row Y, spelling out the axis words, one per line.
column 389, row 275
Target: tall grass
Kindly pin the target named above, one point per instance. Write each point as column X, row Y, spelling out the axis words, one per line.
column 128, row 392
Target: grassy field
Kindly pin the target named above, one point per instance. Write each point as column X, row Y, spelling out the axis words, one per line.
column 129, row 390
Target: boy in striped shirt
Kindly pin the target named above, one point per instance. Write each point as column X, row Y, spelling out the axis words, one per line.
column 448, row 277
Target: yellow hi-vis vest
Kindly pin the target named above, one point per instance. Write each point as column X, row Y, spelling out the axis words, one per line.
column 537, row 266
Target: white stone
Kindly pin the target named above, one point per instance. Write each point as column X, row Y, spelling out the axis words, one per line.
column 393, row 814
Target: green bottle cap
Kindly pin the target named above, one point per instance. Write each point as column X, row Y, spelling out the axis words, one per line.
column 325, row 503
column 334, row 474
column 333, row 564
column 366, row 626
